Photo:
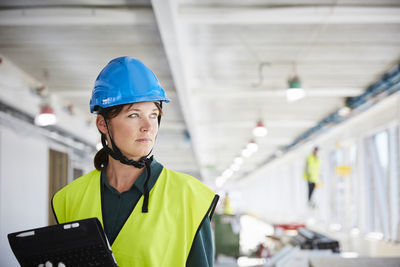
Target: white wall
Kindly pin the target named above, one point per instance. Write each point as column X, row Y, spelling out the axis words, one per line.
column 24, row 182
column 277, row 192
column 24, row 159
column 23, row 186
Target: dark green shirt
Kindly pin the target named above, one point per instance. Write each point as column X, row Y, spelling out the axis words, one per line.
column 117, row 207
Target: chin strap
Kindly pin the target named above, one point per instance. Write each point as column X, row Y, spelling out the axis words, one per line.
column 145, row 206
column 116, row 154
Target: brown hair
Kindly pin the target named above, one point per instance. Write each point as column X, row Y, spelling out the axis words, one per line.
column 101, row 157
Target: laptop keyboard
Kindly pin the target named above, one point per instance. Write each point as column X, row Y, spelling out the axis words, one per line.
column 88, row 256
column 80, row 243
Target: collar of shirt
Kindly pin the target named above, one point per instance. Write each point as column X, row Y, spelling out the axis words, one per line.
column 156, row 169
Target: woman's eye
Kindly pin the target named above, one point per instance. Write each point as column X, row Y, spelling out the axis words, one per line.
column 134, row 115
column 154, row 115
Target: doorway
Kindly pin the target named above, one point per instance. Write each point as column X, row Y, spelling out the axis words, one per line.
column 58, row 175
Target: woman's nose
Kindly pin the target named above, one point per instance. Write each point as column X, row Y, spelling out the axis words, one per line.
column 146, row 125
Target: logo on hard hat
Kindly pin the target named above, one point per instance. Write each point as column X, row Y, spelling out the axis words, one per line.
column 107, row 101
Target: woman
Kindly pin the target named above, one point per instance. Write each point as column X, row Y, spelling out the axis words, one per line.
column 152, row 216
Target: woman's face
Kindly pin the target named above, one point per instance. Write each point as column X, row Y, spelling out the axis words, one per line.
column 135, row 128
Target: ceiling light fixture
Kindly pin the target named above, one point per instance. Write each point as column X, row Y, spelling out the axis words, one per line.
column 260, row 130
column 227, row 173
column 238, row 160
column 252, row 146
column 235, row 167
column 246, row 153
column 219, row 181
column 46, row 117
column 295, row 90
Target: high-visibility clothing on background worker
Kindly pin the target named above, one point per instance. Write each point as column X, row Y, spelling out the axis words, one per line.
column 312, row 169
column 162, row 237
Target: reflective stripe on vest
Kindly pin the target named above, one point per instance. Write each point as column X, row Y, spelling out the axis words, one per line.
column 164, row 236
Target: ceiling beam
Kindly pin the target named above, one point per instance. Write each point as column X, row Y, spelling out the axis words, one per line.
column 76, row 16
column 289, row 15
column 84, row 93
column 240, row 93
column 250, row 124
column 268, row 140
column 174, row 40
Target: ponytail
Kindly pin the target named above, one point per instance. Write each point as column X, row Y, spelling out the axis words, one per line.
column 100, row 159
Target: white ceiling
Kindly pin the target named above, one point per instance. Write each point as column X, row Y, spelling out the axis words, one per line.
column 207, row 54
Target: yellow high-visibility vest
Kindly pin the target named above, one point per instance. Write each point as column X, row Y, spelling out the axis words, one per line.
column 178, row 204
column 312, row 170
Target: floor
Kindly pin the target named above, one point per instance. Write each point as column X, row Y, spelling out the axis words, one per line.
column 225, row 262
column 354, row 249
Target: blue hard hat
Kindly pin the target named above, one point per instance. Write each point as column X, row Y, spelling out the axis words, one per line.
column 125, row 80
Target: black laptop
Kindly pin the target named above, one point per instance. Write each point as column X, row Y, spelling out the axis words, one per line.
column 76, row 244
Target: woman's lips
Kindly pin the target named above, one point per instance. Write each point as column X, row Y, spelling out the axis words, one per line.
column 143, row 140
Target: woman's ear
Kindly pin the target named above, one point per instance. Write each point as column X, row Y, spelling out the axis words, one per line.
column 101, row 124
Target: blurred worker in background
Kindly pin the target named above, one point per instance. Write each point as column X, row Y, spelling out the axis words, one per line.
column 152, row 216
column 227, row 205
column 312, row 173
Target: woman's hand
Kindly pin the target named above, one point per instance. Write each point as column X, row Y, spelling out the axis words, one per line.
column 49, row 264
